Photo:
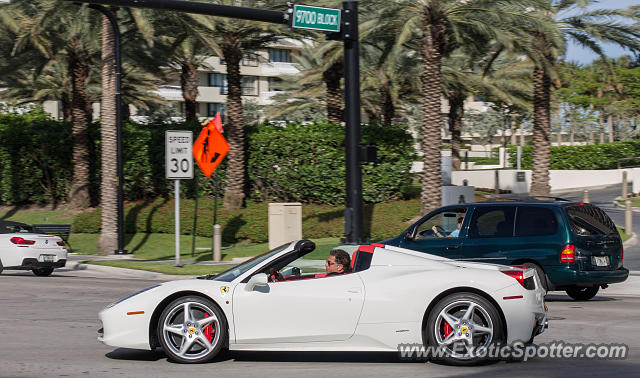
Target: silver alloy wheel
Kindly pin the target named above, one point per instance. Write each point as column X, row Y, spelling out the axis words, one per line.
column 185, row 328
column 470, row 328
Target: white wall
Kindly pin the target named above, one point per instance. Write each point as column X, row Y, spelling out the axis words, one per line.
column 559, row 179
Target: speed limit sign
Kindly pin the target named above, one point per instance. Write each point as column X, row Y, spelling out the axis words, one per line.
column 179, row 158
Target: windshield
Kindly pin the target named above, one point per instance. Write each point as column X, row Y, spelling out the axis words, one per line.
column 14, row 228
column 238, row 270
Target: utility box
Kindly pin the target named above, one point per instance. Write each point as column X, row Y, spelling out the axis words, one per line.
column 453, row 195
column 285, row 223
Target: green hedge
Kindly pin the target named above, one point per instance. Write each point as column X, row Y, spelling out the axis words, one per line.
column 306, row 162
column 35, row 158
column 598, row 156
column 318, row 221
column 292, row 163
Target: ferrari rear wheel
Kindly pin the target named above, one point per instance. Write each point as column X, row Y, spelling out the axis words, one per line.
column 192, row 329
column 42, row 272
column 463, row 326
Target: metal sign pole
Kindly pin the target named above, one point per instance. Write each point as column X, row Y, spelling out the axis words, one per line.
column 177, row 221
column 195, row 217
column 353, row 212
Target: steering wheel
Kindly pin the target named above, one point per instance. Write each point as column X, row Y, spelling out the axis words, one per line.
column 275, row 276
column 440, row 229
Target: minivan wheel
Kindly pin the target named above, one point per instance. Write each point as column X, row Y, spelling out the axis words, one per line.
column 541, row 276
column 583, row 293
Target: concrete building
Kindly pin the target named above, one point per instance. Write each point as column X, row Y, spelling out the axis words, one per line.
column 261, row 71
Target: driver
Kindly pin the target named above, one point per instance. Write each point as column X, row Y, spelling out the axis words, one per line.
column 339, row 262
column 453, row 234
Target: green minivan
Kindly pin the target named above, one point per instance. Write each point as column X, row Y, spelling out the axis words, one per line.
column 573, row 246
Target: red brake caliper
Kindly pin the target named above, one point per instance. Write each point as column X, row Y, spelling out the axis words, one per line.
column 447, row 329
column 208, row 330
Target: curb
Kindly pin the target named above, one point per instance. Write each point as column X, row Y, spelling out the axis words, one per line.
column 633, row 240
column 623, row 207
column 115, row 272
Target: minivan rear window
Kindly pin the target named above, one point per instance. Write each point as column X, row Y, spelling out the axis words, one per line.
column 589, row 220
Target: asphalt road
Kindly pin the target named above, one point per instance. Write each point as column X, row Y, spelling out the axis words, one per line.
column 603, row 197
column 48, row 329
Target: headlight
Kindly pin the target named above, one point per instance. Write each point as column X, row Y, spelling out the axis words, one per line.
column 132, row 295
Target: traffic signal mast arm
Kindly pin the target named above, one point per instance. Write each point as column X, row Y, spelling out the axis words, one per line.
column 244, row 13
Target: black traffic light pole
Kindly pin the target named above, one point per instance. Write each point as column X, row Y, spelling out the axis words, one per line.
column 353, row 212
column 348, row 34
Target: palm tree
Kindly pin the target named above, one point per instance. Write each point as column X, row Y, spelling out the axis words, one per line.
column 442, row 26
column 495, row 73
column 588, row 28
column 235, row 38
column 58, row 29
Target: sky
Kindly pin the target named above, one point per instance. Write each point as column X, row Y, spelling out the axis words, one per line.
column 578, row 54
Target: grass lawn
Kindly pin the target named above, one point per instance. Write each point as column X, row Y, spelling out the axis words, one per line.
column 162, row 247
column 624, row 236
column 36, row 215
column 635, row 202
column 165, row 268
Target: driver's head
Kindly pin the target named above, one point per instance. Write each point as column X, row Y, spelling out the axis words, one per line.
column 338, row 262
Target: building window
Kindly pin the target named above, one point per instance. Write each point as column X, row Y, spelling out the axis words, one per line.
column 218, row 80
column 250, row 85
column 250, row 59
column 275, row 84
column 279, row 55
column 214, row 107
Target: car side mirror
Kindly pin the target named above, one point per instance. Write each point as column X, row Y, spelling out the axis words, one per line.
column 407, row 236
column 259, row 279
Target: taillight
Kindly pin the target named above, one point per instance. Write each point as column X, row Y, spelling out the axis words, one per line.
column 21, row 241
column 517, row 274
column 60, row 243
column 568, row 254
column 622, row 253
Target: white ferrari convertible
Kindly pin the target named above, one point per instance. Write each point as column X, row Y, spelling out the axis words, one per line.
column 278, row 301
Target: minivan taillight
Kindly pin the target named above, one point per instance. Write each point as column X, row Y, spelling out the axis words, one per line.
column 21, row 241
column 568, row 254
column 60, row 243
column 517, row 274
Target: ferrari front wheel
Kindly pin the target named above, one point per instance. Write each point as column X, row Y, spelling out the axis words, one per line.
column 192, row 329
column 462, row 327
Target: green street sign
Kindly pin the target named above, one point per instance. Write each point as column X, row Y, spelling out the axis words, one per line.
column 316, row 18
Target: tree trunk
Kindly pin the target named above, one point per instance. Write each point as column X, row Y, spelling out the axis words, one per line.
column 433, row 40
column 66, row 106
column 541, row 133
column 234, row 132
column 456, row 112
column 388, row 108
column 189, row 85
column 331, row 78
column 108, row 241
column 611, row 129
column 79, row 69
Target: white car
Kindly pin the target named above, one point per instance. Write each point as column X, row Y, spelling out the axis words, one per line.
column 393, row 296
column 25, row 248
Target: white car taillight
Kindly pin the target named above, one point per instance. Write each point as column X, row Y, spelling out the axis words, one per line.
column 21, row 241
column 60, row 243
column 517, row 274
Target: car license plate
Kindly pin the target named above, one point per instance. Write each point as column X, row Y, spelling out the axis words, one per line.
column 47, row 258
column 600, row 260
